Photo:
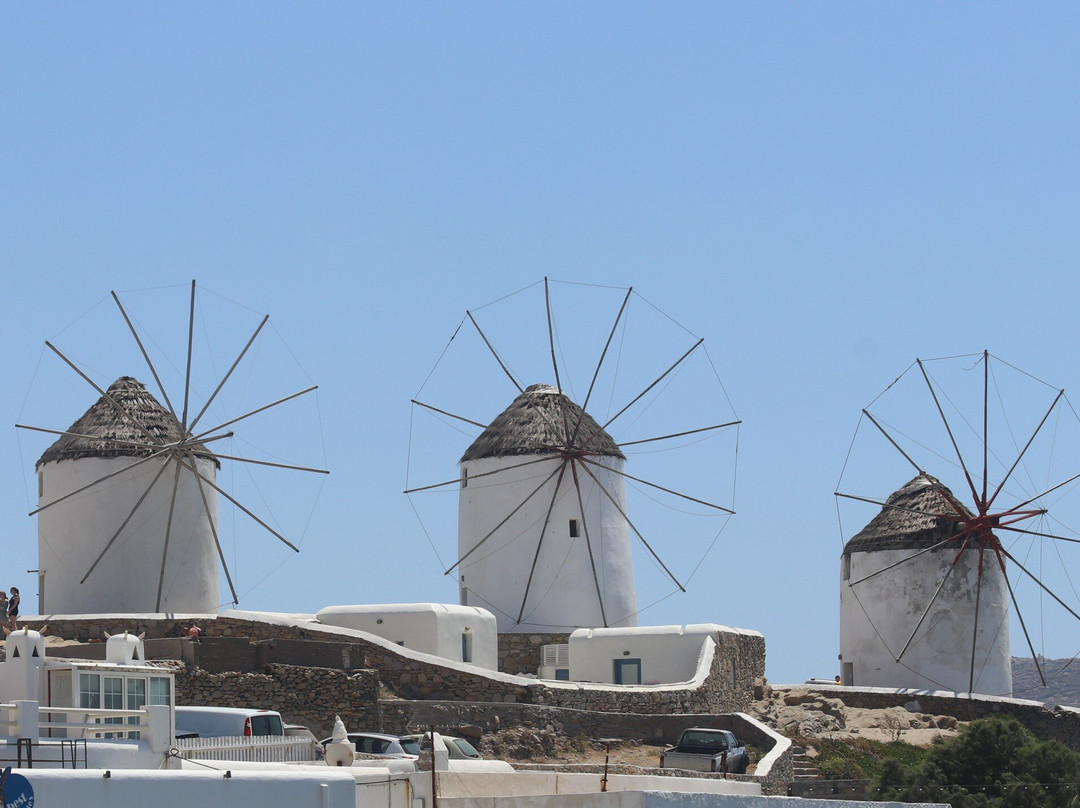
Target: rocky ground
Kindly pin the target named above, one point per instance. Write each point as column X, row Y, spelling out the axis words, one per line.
column 805, row 713
column 808, row 713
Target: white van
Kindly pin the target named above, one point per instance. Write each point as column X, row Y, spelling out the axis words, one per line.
column 214, row 722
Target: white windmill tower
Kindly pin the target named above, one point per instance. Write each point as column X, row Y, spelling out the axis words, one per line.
column 153, row 520
column 129, row 499
column 921, row 529
column 518, row 478
column 552, row 503
column 930, row 584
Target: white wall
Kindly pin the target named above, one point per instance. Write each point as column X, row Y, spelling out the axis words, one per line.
column 878, row 616
column 432, row 628
column 72, row 533
column 182, row 789
column 668, row 654
column 562, row 594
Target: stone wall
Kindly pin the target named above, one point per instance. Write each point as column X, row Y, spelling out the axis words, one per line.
column 303, row 695
column 469, row 718
column 520, row 653
column 220, row 654
column 738, row 663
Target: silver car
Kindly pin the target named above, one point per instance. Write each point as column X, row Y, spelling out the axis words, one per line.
column 379, row 745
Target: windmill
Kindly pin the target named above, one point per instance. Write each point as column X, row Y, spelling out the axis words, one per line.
column 929, row 583
column 129, row 494
column 553, row 499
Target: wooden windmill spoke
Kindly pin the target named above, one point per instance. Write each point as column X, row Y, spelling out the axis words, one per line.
column 986, row 424
column 600, row 364
column 448, row 414
column 506, row 519
column 880, row 503
column 150, row 437
column 495, row 353
column 948, row 429
column 1027, row 446
column 189, row 463
column 975, row 622
column 168, row 534
column 687, row 497
column 588, row 545
column 633, row 527
column 555, row 363
column 1050, row 490
column 929, row 605
column 225, row 378
column 902, row 561
column 1039, row 583
column 163, row 451
column 255, row 518
column 624, row 444
column 1037, row 533
column 540, row 542
column 69, row 434
column 457, row 480
column 146, row 356
column 270, row 464
column 187, row 373
column 127, row 519
column 531, row 441
column 263, row 408
column 1020, row 616
column 655, row 382
column 891, row 440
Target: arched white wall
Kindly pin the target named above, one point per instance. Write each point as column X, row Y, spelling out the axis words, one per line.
column 878, row 615
column 72, row 533
column 563, row 592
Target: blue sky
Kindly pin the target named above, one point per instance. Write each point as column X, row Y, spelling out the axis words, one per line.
column 823, row 191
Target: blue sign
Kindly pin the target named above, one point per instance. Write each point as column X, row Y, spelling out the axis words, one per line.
column 18, row 793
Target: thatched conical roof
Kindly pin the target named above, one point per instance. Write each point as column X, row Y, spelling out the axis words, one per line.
column 914, row 517
column 536, row 422
column 103, row 431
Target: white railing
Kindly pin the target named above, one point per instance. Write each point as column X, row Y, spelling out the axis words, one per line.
column 88, row 722
column 24, row 719
column 256, row 748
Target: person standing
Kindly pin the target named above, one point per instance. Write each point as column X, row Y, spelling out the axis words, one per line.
column 3, row 607
column 13, row 608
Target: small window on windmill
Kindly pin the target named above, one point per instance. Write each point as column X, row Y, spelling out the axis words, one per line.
column 40, row 485
column 464, row 477
column 845, row 567
column 574, row 529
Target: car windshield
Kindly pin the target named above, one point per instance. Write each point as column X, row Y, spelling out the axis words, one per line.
column 466, row 748
column 705, row 740
column 410, row 746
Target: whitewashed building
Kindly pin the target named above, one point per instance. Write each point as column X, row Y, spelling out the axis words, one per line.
column 543, row 541
column 107, row 506
column 457, row 633
column 643, row 655
column 902, row 606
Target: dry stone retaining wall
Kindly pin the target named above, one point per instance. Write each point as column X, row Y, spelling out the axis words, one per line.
column 520, row 653
column 738, row 663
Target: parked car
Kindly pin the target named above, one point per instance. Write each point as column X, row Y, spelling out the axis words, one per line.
column 703, row 749
column 380, row 745
column 456, row 748
column 216, row 722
